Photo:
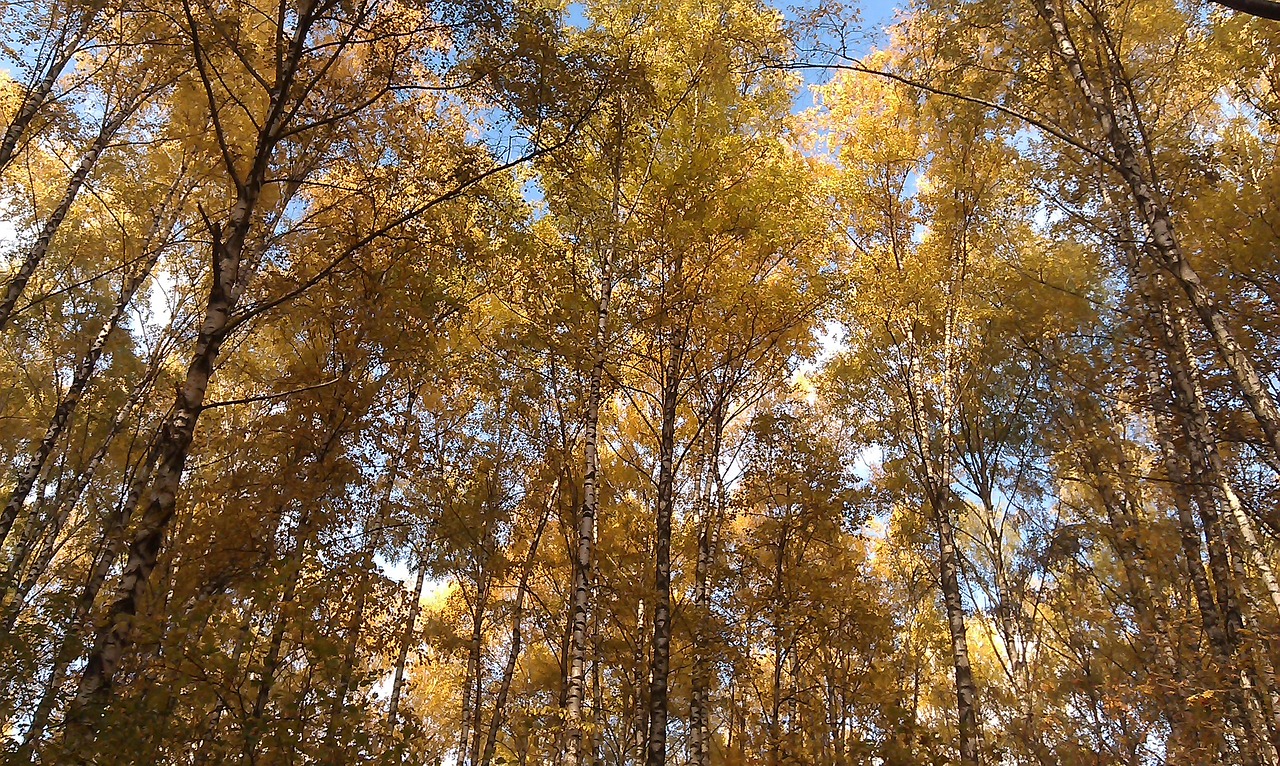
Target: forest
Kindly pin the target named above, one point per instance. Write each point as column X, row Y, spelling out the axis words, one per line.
column 639, row 382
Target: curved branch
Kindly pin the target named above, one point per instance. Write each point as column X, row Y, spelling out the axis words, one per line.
column 1263, row 9
column 927, row 88
column 268, row 397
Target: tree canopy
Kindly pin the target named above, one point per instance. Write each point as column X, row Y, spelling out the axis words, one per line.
column 481, row 382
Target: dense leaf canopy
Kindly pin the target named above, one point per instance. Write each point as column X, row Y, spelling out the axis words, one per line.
column 479, row 382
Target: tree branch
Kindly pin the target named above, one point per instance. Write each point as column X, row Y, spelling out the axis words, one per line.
column 1263, row 9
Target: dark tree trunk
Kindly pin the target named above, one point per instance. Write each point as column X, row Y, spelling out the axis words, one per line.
column 660, row 662
column 513, row 651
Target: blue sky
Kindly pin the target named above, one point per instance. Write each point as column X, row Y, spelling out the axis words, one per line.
column 865, row 33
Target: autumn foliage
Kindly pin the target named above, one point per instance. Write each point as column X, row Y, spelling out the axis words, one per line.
column 479, row 382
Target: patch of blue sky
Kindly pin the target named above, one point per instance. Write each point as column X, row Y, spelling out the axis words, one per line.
column 857, row 36
column 575, row 15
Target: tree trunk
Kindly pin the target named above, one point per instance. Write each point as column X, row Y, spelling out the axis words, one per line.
column 275, row 647
column 397, row 683
column 1118, row 126
column 176, row 435
column 640, row 679
column 1250, row 540
column 1195, row 447
column 1125, row 535
column 26, row 477
column 660, row 663
column 1208, row 444
column 226, row 286
column 364, row 574
column 966, row 690
column 597, row 692
column 699, row 731
column 70, row 38
column 350, row 657
column 513, row 652
column 1207, row 471
column 36, row 253
column 713, row 503
column 584, row 553
column 1263, row 9
column 19, row 578
column 1210, row 617
column 936, row 469
column 1267, row 695
column 110, row 544
column 472, row 687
